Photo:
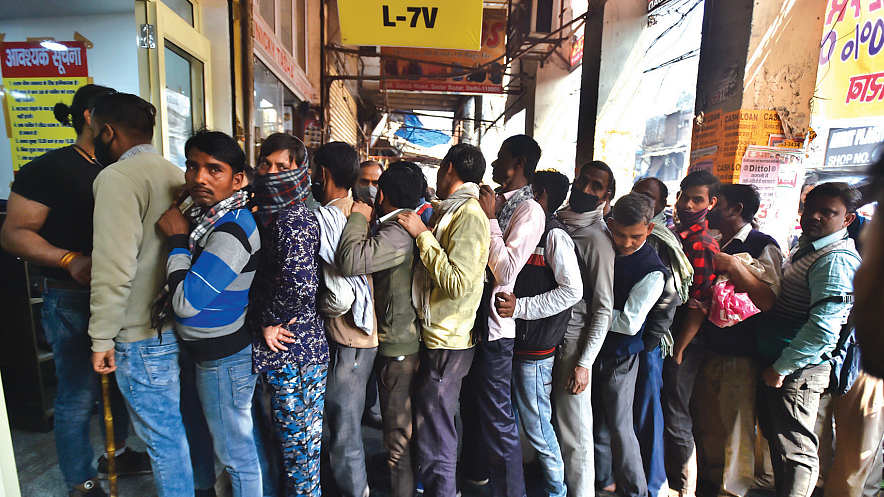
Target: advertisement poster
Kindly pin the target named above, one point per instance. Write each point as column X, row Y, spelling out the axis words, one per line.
column 732, row 133
column 428, row 60
column 778, row 177
column 455, row 24
column 36, row 78
column 850, row 80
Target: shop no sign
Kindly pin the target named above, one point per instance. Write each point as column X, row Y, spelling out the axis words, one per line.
column 412, row 23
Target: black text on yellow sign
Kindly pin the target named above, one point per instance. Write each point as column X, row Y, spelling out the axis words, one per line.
column 454, row 24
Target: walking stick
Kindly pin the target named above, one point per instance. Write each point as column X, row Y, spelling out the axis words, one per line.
column 109, row 436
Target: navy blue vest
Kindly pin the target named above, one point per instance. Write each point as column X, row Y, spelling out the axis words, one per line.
column 538, row 339
column 738, row 340
column 629, row 270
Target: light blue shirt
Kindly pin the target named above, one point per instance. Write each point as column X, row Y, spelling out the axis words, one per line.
column 830, row 276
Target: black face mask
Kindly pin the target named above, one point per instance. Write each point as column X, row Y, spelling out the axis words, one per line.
column 102, row 152
column 714, row 218
column 582, row 201
column 316, row 187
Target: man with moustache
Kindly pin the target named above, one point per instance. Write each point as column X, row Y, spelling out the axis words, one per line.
column 803, row 327
column 128, row 272
column 590, row 321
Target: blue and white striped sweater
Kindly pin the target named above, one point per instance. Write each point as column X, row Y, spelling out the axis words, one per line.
column 210, row 288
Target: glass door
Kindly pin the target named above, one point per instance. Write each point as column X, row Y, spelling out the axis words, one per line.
column 180, row 66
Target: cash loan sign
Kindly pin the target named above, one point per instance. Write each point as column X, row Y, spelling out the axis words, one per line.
column 412, row 23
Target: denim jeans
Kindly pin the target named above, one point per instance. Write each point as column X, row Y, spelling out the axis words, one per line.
column 199, row 438
column 348, row 372
column 65, row 319
column 532, row 387
column 225, row 388
column 148, row 375
column 787, row 416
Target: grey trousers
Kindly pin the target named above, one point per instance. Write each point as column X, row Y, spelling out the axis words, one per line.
column 678, row 436
column 395, row 387
column 573, row 421
column 613, row 396
column 348, row 372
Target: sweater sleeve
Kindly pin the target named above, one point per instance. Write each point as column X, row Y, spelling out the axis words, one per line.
column 193, row 287
column 360, row 254
column 507, row 255
column 117, row 234
column 600, row 284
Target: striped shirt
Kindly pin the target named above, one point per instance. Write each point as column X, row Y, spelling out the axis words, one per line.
column 210, row 288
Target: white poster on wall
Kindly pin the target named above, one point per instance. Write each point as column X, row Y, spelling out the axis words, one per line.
column 177, row 114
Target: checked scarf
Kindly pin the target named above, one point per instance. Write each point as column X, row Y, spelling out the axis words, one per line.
column 509, row 207
column 204, row 220
column 274, row 191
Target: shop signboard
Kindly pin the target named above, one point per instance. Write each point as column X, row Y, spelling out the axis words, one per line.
column 850, row 80
column 454, row 24
column 271, row 51
column 36, row 76
column 859, row 146
column 426, row 62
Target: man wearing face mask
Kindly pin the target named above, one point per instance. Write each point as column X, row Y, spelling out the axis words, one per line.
column 366, row 188
column 726, row 422
column 128, row 261
column 590, row 320
column 350, row 322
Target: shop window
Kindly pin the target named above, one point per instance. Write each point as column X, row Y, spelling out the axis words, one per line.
column 268, row 12
column 285, row 25
column 183, row 8
column 269, row 102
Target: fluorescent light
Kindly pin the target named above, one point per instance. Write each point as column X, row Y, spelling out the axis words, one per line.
column 51, row 45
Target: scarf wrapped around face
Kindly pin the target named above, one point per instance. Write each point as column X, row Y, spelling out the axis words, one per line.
column 204, row 220
column 274, row 191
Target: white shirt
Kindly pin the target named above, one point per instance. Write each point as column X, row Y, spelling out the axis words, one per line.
column 641, row 299
column 562, row 259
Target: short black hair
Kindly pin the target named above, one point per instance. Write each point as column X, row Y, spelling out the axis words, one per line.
column 401, row 185
column 556, row 186
column 219, row 145
column 664, row 190
column 127, row 111
column 701, row 178
column 524, row 146
column 369, row 163
column 467, row 161
column 633, row 208
column 742, row 194
column 612, row 183
column 284, row 141
column 341, row 160
column 73, row 115
column 847, row 193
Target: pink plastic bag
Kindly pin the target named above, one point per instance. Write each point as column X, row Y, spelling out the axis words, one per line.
column 729, row 307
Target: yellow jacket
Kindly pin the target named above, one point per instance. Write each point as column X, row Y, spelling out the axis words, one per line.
column 456, row 260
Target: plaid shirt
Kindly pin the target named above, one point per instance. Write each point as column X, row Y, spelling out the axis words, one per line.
column 700, row 247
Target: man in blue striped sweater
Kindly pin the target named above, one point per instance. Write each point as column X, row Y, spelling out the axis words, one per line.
column 210, row 270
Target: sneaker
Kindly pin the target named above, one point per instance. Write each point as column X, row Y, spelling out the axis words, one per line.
column 420, row 487
column 129, row 463
column 93, row 489
column 478, row 483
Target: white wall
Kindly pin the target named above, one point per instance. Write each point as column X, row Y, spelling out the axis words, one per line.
column 112, row 61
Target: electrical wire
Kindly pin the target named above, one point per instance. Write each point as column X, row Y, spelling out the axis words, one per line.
column 693, row 53
column 671, row 27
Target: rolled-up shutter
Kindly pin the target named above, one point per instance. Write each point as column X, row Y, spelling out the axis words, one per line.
column 342, row 114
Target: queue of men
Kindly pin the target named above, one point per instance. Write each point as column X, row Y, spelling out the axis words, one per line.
column 246, row 328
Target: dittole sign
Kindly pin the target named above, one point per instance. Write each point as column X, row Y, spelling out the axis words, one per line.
column 412, row 23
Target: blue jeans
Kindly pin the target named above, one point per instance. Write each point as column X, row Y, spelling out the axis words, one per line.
column 148, row 375
column 66, row 322
column 225, row 388
column 532, row 387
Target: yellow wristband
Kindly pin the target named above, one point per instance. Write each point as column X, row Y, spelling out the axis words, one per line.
column 66, row 259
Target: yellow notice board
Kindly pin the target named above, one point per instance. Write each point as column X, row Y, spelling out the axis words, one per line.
column 850, row 76
column 410, row 23
column 35, row 79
